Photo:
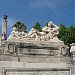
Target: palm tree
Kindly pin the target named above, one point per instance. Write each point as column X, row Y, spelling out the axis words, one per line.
column 20, row 26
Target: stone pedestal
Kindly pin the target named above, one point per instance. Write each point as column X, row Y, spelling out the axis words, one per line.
column 36, row 58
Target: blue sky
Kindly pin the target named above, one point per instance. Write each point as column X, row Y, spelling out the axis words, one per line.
column 31, row 11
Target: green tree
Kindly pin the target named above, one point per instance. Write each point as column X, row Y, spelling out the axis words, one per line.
column 46, row 24
column 20, row 26
column 61, row 32
column 37, row 26
column 67, row 35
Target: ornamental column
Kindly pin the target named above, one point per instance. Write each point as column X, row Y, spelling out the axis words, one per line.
column 4, row 28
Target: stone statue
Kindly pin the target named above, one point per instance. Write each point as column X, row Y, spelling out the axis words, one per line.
column 51, row 30
column 21, row 35
column 35, row 34
column 72, row 48
column 72, row 51
column 13, row 33
column 48, row 32
column 32, row 33
column 5, row 17
column 16, row 34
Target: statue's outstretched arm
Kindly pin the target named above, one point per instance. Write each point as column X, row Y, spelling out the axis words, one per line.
column 56, row 26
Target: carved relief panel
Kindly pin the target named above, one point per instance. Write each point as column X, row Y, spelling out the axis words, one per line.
column 11, row 48
column 64, row 51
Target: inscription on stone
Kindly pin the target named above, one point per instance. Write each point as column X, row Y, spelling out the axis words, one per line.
column 39, row 73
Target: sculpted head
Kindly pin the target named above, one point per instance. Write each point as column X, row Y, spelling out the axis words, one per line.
column 14, row 28
column 33, row 30
column 50, row 24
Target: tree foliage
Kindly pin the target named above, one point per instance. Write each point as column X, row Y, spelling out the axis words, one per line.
column 20, row 26
column 37, row 26
column 46, row 24
column 67, row 35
